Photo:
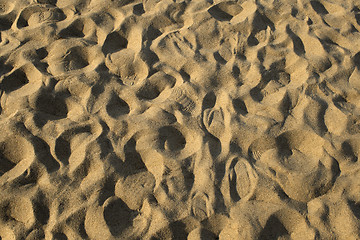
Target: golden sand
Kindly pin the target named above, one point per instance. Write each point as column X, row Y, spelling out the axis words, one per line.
column 179, row 119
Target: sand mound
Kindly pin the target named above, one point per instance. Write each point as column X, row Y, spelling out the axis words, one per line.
column 179, row 119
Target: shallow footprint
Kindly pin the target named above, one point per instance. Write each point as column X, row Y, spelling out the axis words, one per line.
column 135, row 189
column 16, row 155
column 69, row 56
column 201, row 207
column 37, row 14
column 301, row 165
column 242, row 179
column 182, row 98
column 126, row 64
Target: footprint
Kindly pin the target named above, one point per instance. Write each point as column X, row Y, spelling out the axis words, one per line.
column 300, row 164
column 201, row 207
column 181, row 97
column 298, row 45
column 70, row 146
column 37, row 14
column 138, row 9
column 242, row 179
column 214, row 121
column 180, row 46
column 62, row 150
column 209, row 100
column 259, row 146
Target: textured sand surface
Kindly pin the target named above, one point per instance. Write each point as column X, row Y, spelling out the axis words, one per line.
column 179, row 119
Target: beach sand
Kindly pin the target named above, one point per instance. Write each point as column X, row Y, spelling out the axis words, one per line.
column 179, row 119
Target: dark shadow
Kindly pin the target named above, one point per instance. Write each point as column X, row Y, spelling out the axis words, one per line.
column 239, row 106
column 294, row 12
column 118, row 217
column 283, row 146
column 355, row 208
column 42, row 53
column 171, row 139
column 299, row 47
column 261, row 22
column 138, row 9
column 318, row 112
column 148, row 92
column 6, row 22
column 235, row 72
column 219, row 58
column 117, row 107
column 42, row 151
column 214, row 145
column 232, row 182
column 348, row 151
column 5, row 164
column 188, row 175
column 133, row 160
column 256, row 94
column 51, row 2
column 356, row 60
column 209, row 100
column 62, row 150
column 50, row 104
column 225, row 11
column 252, row 41
column 113, row 43
column 318, row 7
column 30, row 176
column 75, row 30
column 14, row 81
column 178, row 230
column 273, row 229
column 60, row 236
column 357, row 18
column 218, row 14
column 41, row 211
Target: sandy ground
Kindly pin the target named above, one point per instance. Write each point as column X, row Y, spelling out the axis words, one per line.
column 179, row 119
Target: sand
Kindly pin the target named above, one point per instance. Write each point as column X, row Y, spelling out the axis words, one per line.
column 179, row 119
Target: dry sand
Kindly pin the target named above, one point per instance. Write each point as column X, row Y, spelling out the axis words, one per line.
column 179, row 119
